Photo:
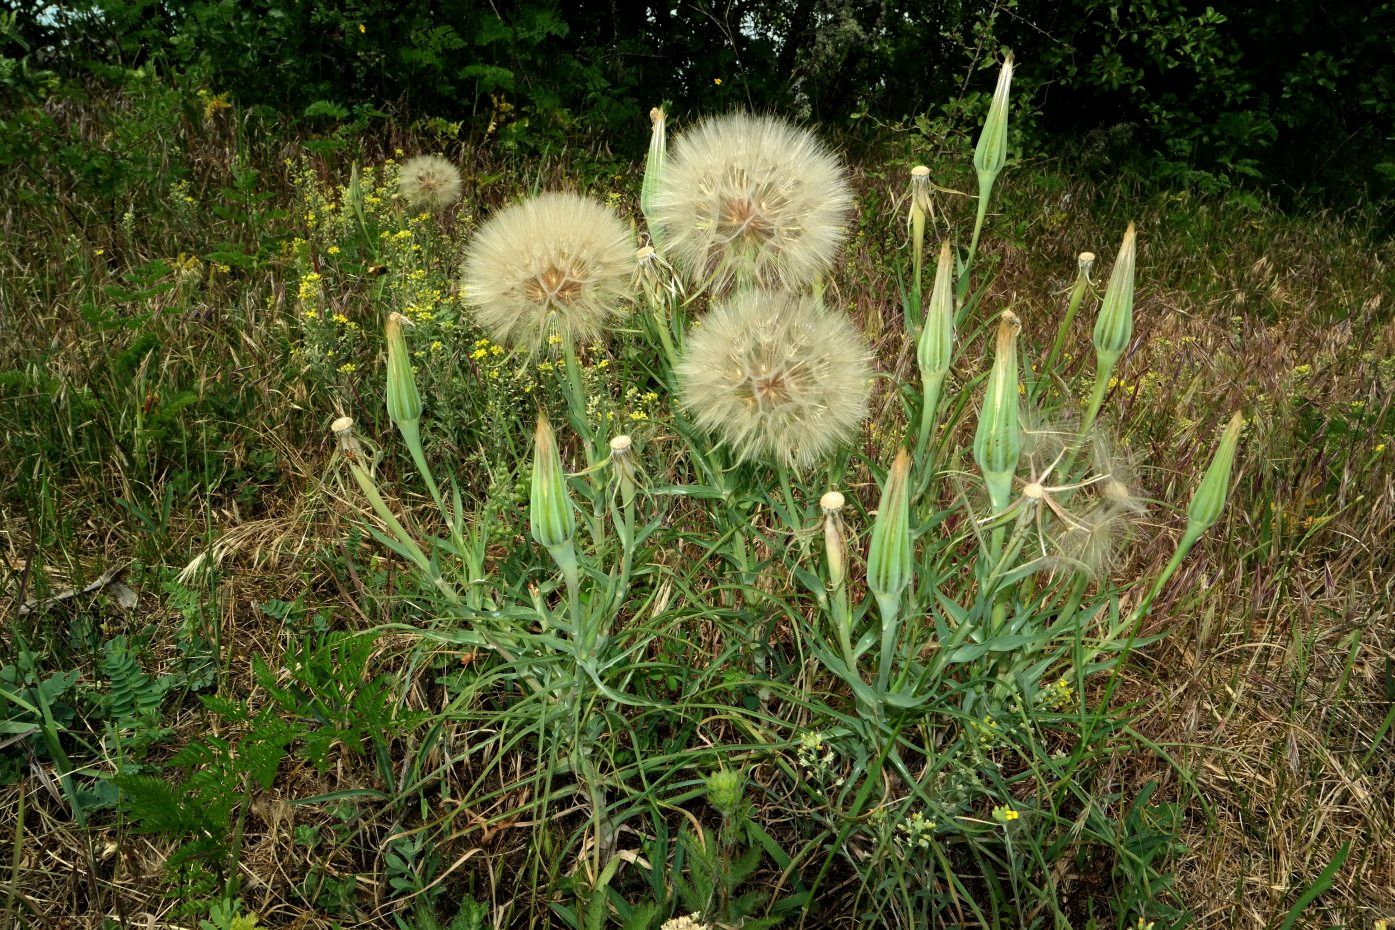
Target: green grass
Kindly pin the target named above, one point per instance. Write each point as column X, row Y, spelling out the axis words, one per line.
column 289, row 718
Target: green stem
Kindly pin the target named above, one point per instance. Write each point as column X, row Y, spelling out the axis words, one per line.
column 890, row 607
column 1077, row 294
column 985, row 188
column 930, row 402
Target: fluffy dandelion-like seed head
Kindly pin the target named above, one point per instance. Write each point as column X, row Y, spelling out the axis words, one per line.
column 556, row 264
column 430, row 182
column 1091, row 542
column 832, row 502
column 751, row 199
column 775, row 377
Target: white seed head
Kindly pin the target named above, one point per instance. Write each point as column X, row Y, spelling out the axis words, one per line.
column 751, row 199
column 620, row 445
column 775, row 377
column 1034, row 491
column 1091, row 542
column 342, row 425
column 831, row 502
column 556, row 264
column 430, row 182
column 920, row 174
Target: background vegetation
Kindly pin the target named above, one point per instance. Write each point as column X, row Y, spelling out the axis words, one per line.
column 1298, row 96
column 165, row 408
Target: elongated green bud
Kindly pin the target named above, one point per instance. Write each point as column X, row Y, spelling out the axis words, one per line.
column 889, row 554
column 991, row 153
column 403, row 401
column 1114, row 326
column 1209, row 499
column 998, row 441
column 936, row 346
column 653, row 164
column 550, row 507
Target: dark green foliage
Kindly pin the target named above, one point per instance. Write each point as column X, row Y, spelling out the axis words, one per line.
column 1295, row 92
column 1301, row 94
column 133, row 697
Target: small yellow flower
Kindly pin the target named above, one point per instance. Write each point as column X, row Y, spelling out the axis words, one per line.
column 347, row 367
column 1380, row 447
column 1005, row 814
column 362, row 28
column 717, row 81
column 334, row 250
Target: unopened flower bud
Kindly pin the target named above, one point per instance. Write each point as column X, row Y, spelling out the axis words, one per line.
column 550, row 506
column 725, row 791
column 991, row 153
column 998, row 441
column 403, row 401
column 1209, row 499
column 889, row 555
column 1114, row 327
column 936, row 346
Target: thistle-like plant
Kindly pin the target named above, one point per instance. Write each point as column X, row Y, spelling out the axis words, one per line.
column 430, row 182
column 553, row 269
column 776, row 377
column 748, row 199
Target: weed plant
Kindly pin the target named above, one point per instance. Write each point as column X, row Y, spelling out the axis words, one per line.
column 925, row 675
column 705, row 647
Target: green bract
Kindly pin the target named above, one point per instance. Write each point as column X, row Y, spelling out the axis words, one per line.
column 1114, row 326
column 1209, row 499
column 889, row 565
column 991, row 153
column 936, row 346
column 550, row 507
column 998, row 441
column 403, row 401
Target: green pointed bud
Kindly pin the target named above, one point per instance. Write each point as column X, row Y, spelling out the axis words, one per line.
column 550, row 507
column 834, row 547
column 725, row 791
column 1209, row 499
column 653, row 164
column 403, row 401
column 1114, row 326
column 991, row 153
column 998, row 442
column 936, row 346
column 889, row 554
